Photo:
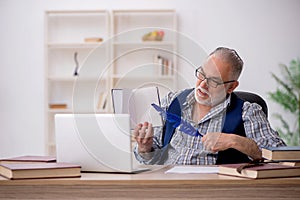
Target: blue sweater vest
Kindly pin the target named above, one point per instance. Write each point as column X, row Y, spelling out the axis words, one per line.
column 233, row 123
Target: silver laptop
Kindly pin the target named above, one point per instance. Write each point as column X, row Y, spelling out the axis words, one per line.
column 97, row 142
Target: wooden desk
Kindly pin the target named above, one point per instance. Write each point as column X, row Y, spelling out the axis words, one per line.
column 154, row 184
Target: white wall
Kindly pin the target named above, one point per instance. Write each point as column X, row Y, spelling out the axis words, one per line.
column 264, row 32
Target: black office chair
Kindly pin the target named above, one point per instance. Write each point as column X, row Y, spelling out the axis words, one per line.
column 253, row 98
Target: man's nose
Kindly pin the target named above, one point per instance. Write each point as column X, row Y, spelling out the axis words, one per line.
column 204, row 84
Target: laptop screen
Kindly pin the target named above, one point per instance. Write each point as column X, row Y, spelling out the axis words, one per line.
column 97, row 142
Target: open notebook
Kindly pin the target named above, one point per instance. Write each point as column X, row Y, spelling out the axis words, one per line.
column 137, row 103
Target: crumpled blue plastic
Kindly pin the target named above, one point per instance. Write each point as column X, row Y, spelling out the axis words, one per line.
column 184, row 126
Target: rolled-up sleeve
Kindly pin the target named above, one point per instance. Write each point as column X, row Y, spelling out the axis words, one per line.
column 258, row 128
column 149, row 158
column 157, row 155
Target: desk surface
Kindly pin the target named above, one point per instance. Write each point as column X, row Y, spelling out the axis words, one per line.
column 152, row 184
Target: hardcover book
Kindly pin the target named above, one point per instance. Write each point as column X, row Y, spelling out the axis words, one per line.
column 58, row 106
column 39, row 170
column 291, row 163
column 29, row 159
column 286, row 153
column 263, row 170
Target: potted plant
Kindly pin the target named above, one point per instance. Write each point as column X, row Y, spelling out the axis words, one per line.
column 287, row 95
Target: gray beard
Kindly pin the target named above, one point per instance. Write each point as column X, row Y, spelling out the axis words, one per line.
column 209, row 101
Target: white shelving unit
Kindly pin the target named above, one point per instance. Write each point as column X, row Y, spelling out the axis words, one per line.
column 136, row 62
column 65, row 34
column 121, row 60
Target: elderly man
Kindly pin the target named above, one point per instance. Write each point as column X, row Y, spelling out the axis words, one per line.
column 230, row 130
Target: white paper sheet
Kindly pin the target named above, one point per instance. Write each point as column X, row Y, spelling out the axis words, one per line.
column 137, row 102
column 193, row 170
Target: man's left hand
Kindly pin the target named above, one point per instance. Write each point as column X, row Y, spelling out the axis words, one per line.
column 216, row 141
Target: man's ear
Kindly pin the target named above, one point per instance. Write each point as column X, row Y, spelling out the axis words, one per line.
column 232, row 87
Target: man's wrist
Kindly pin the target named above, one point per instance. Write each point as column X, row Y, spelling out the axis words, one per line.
column 234, row 141
column 147, row 155
column 246, row 146
column 142, row 150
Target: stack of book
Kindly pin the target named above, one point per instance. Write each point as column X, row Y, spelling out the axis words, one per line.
column 25, row 167
column 260, row 170
column 279, row 162
column 288, row 155
column 165, row 66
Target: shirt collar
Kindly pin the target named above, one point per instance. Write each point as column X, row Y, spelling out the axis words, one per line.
column 190, row 102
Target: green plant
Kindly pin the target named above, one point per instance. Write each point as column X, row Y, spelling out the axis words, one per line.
column 287, row 95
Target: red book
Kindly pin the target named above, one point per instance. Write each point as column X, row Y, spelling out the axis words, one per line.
column 29, row 159
column 265, row 170
column 39, row 170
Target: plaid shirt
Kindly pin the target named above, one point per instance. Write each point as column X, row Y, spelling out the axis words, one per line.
column 188, row 150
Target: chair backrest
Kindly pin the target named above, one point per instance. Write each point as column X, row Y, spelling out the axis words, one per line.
column 253, row 98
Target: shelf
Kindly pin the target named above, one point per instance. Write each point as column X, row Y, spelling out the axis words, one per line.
column 54, row 111
column 60, row 110
column 75, row 45
column 143, row 11
column 147, row 43
column 153, row 77
column 62, row 79
column 73, row 79
column 75, row 12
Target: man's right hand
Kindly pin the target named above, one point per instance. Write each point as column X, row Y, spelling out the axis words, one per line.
column 143, row 134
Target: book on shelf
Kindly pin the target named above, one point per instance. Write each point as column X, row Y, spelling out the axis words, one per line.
column 285, row 153
column 102, row 101
column 29, row 159
column 39, row 170
column 93, row 39
column 58, row 106
column 263, row 170
column 137, row 103
column 165, row 65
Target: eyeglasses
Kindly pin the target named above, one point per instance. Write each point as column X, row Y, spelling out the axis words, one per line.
column 209, row 81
